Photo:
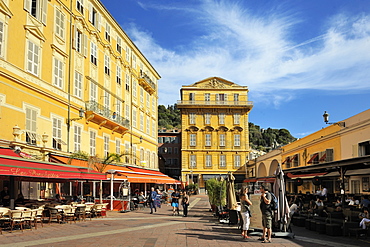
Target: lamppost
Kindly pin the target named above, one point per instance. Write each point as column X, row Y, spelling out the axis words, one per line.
column 326, row 120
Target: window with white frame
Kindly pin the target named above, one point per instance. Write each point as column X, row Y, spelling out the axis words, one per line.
column 208, row 160
column 134, row 154
column 93, row 55
column 59, row 23
column 77, row 138
column 147, row 100
column 222, row 160
column 58, row 73
column 107, row 64
column 154, row 127
column 57, row 133
column 222, row 140
column 191, row 96
column 94, row 17
column 236, row 118
column 153, row 103
column 78, row 85
column 118, row 107
column 236, row 97
column 141, row 154
column 118, row 74
column 141, row 95
column 107, row 99
column 119, row 45
column 147, row 125
column 237, row 140
column 106, row 146
column 193, row 140
column 207, row 96
column 127, row 111
column 127, row 151
column 208, row 140
column 93, row 92
column 221, row 118
column 78, row 40
column 80, row 6
column 33, row 58
column 31, row 120
column 134, row 61
column 192, row 117
column 134, row 88
column 141, row 121
column 2, row 38
column 127, row 82
column 207, row 118
column 220, row 97
column 134, row 116
column 128, row 52
column 236, row 161
column 107, row 32
column 37, row 8
column 193, row 161
column 92, row 143
column 153, row 160
column 118, row 146
column 147, row 158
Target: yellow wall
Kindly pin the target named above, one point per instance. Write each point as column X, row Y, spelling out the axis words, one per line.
column 20, row 89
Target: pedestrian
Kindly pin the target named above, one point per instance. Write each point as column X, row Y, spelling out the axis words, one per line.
column 151, row 200
column 245, row 211
column 266, row 211
column 170, row 191
column 158, row 198
column 185, row 203
column 175, row 202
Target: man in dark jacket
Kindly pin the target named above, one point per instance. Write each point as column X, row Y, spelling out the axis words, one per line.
column 266, row 214
column 151, row 200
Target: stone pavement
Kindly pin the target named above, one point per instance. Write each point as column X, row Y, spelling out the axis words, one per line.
column 139, row 228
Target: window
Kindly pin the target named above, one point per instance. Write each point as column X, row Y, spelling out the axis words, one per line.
column 119, row 72
column 106, row 64
column 208, row 140
column 133, row 61
column 193, row 161
column 222, row 140
column 106, row 99
column 193, row 140
column 207, row 118
column 80, row 6
column 106, row 146
column 191, row 96
column 31, row 118
column 33, row 58
column 59, row 23
column 141, row 154
column 118, row 146
column 93, row 92
column 236, row 97
column 295, row 160
column 58, row 73
column 221, row 97
column 236, row 161
column 78, row 85
column 154, row 127
column 175, row 150
column 208, row 160
column 94, row 17
column 118, row 108
column 237, row 140
column 147, row 125
column 141, row 121
column 222, row 160
column 107, row 32
column 78, row 40
column 92, row 143
column 2, row 38
column 330, row 155
column 147, row 100
column 93, row 55
column 237, row 118
column 127, row 111
column 192, row 118
column 119, row 46
column 169, row 150
column 57, row 134
column 134, row 116
column 153, row 104
column 37, row 8
column 207, row 97
column 128, row 52
column 364, row 148
column 141, row 95
column 221, row 118
column 77, row 138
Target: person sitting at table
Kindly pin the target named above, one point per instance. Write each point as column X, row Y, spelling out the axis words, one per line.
column 5, row 196
column 58, row 198
column 365, row 218
column 338, row 203
column 20, row 199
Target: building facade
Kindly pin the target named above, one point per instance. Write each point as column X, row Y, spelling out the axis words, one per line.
column 169, row 152
column 215, row 136
column 72, row 80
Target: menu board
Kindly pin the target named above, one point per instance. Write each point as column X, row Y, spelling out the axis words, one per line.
column 256, row 219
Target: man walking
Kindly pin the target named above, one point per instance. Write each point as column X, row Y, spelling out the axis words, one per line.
column 266, row 211
column 151, row 200
column 175, row 202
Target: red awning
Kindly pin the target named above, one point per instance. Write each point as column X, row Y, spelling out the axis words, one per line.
column 12, row 166
column 323, row 158
column 134, row 177
column 264, row 179
column 310, row 175
column 249, row 180
column 287, row 160
column 145, row 171
column 312, row 158
column 294, row 157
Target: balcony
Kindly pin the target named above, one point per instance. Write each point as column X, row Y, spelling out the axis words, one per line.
column 218, row 104
column 106, row 118
column 147, row 83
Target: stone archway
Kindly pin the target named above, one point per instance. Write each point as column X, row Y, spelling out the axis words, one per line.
column 273, row 166
column 261, row 171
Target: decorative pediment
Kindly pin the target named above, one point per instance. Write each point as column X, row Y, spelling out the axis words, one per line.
column 208, row 128
column 35, row 31
column 214, row 82
column 223, row 128
column 192, row 129
column 4, row 9
column 237, row 128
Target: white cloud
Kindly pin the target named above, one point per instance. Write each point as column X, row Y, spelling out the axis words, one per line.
column 257, row 50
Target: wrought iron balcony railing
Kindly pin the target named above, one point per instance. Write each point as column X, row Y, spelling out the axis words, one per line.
column 215, row 103
column 146, row 78
column 107, row 113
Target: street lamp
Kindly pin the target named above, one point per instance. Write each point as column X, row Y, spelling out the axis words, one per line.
column 326, row 120
column 80, row 116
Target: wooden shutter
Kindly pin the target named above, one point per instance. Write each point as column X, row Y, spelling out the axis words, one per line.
column 90, row 13
column 84, row 43
column 74, row 38
column 44, row 10
column 27, row 5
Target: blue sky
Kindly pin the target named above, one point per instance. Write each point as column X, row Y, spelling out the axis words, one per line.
column 299, row 58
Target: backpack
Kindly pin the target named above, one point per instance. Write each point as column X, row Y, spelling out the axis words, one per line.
column 274, row 202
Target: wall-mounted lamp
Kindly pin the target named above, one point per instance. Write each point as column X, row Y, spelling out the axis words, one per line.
column 141, row 141
column 16, row 132
column 45, row 138
column 326, row 120
column 80, row 116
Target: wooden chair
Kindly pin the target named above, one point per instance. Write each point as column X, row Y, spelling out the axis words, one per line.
column 38, row 217
column 69, row 214
column 16, row 218
column 81, row 212
column 28, row 218
column 54, row 214
column 88, row 210
column 97, row 209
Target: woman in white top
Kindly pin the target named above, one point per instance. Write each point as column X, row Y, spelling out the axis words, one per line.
column 245, row 211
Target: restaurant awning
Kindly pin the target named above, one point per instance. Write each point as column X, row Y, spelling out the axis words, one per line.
column 305, row 176
column 13, row 166
column 135, row 177
column 261, row 180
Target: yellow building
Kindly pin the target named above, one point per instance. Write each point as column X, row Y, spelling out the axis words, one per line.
column 215, row 136
column 72, row 80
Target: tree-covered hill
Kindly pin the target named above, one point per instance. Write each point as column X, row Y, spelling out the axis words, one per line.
column 262, row 139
